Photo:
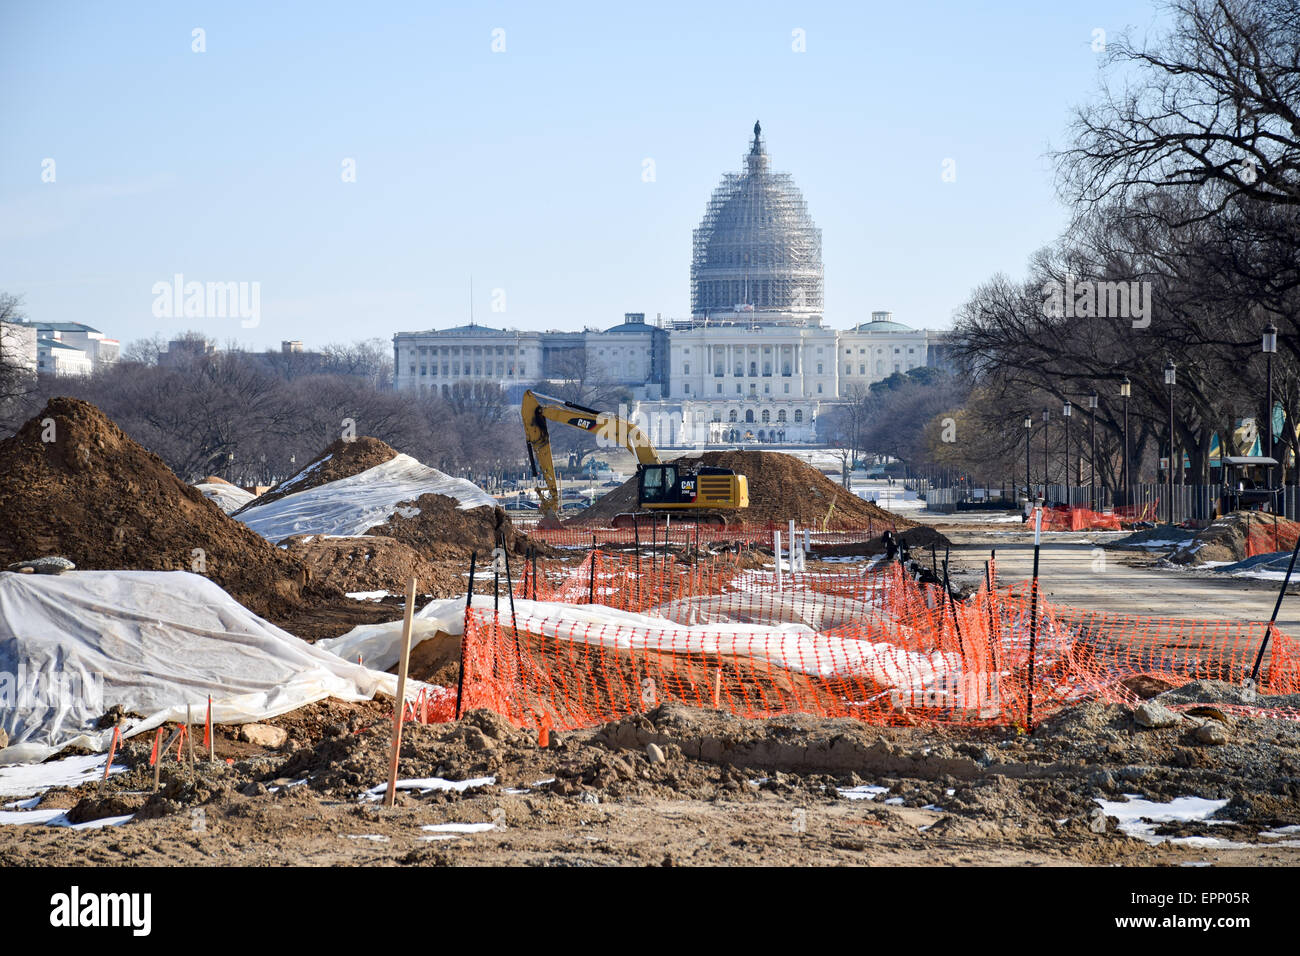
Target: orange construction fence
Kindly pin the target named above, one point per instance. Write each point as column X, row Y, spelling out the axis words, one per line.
column 1269, row 534
column 875, row 646
column 684, row 534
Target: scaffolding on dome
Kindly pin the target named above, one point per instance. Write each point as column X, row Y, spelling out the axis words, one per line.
column 756, row 247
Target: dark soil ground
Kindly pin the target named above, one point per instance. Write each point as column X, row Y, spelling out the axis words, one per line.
column 443, row 531
column 727, row 791
column 374, row 563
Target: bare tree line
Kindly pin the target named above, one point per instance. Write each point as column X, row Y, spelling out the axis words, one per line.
column 257, row 418
column 1186, row 188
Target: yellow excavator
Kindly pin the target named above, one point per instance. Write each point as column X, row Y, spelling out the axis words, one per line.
column 698, row 495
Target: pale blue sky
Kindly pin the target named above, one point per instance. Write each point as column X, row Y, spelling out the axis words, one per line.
column 523, row 168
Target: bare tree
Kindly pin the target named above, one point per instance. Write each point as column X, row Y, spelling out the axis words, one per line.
column 17, row 372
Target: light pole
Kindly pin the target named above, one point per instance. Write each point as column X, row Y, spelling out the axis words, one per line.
column 1125, row 391
column 1092, row 461
column 1029, row 491
column 1171, row 379
column 1066, row 411
column 1270, row 346
column 1046, row 417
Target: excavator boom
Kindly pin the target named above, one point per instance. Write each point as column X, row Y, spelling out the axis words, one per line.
column 659, row 486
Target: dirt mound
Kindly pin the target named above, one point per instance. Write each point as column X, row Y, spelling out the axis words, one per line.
column 73, row 484
column 1153, row 539
column 373, row 563
column 214, row 480
column 781, row 487
column 917, row 541
column 1237, row 536
column 343, row 459
column 443, row 531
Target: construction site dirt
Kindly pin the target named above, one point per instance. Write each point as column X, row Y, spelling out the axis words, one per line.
column 781, row 487
column 681, row 786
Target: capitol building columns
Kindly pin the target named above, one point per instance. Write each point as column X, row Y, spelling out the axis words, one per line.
column 753, row 364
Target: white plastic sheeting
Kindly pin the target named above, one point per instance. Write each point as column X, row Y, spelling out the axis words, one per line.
column 792, row 645
column 226, row 497
column 352, row 506
column 820, row 612
column 74, row 645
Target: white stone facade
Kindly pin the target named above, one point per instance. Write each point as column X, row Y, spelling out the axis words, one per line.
column 735, row 379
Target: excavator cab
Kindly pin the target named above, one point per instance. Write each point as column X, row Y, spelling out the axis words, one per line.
column 670, row 487
column 657, row 484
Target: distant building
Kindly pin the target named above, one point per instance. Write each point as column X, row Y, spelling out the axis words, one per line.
column 72, row 348
column 754, row 362
column 181, row 352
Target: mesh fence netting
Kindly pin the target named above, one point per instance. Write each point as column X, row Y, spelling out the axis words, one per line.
column 621, row 634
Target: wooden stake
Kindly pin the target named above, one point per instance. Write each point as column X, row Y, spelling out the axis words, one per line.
column 212, row 742
column 162, row 752
column 189, row 737
column 112, row 752
column 391, row 795
column 717, row 685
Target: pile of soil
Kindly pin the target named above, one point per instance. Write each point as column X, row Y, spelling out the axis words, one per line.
column 214, row 480
column 93, row 495
column 1226, row 539
column 1149, row 539
column 373, row 563
column 781, row 487
column 444, row 531
column 441, row 530
column 343, row 459
column 917, row 541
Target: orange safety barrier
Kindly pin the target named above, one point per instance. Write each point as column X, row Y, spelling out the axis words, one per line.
column 684, row 534
column 880, row 648
column 1077, row 519
column 1269, row 534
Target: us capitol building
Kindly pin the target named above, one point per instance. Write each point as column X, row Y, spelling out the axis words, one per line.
column 752, row 365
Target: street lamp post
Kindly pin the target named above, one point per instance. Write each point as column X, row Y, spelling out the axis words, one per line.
column 1046, row 464
column 1171, row 379
column 1125, row 392
column 1029, row 491
column 1067, row 411
column 1092, row 461
column 1270, row 346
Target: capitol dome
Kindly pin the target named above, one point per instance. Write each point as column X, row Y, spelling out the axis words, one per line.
column 756, row 247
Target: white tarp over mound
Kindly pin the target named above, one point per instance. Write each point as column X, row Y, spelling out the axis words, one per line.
column 352, row 506
column 226, row 497
column 74, row 645
column 790, row 644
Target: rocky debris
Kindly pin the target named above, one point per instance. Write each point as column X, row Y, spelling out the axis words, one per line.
column 1154, row 716
column 1211, row 733
column 373, row 563
column 781, row 487
column 115, row 716
column 50, row 565
column 992, row 786
column 264, row 735
column 443, row 530
column 654, row 753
